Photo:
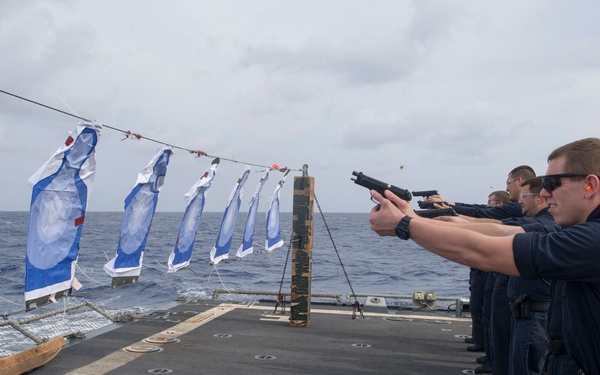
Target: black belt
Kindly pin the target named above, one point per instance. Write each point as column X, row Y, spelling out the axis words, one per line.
column 521, row 306
column 537, row 306
column 556, row 346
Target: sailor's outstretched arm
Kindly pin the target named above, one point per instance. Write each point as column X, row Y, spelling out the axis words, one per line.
column 480, row 226
column 464, row 246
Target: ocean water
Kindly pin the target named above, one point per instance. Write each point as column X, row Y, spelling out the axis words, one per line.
column 374, row 265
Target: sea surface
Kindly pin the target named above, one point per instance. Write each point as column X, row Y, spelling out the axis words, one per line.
column 341, row 242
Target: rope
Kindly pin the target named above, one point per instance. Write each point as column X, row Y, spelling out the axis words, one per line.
column 163, row 276
column 356, row 304
column 280, row 297
column 14, row 303
column 221, row 280
column 84, row 274
column 160, row 265
column 129, row 134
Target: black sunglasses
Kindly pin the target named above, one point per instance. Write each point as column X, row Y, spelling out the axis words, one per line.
column 552, row 181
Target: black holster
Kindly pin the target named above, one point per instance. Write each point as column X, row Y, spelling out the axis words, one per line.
column 520, row 306
column 556, row 346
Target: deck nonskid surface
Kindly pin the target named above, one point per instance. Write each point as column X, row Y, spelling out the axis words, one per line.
column 211, row 337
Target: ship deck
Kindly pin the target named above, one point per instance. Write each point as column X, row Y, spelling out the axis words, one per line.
column 215, row 337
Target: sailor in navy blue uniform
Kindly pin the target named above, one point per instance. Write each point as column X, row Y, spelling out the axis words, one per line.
column 496, row 314
column 567, row 256
column 571, row 255
column 529, row 299
column 518, row 340
column 557, row 361
column 515, row 179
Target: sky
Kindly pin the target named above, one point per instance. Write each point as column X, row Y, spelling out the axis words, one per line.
column 457, row 93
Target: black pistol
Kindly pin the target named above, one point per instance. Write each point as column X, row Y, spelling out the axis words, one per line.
column 431, row 213
column 373, row 184
column 430, row 205
column 425, row 193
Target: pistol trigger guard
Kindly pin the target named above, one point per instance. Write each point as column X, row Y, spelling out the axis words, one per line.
column 375, row 200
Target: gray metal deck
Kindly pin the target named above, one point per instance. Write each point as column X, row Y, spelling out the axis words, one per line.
column 213, row 337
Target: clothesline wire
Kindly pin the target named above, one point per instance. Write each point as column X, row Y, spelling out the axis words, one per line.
column 138, row 136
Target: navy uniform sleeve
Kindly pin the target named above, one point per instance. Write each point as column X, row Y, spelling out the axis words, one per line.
column 471, row 205
column 540, row 227
column 498, row 212
column 571, row 254
column 522, row 221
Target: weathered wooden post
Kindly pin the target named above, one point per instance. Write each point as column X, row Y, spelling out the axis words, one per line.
column 302, row 237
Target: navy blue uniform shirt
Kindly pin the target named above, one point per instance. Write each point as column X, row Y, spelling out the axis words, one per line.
column 512, row 209
column 573, row 256
column 539, row 289
column 542, row 217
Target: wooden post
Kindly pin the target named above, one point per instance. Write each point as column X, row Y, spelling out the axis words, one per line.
column 302, row 237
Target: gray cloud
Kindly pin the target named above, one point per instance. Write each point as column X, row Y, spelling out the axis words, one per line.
column 361, row 60
column 458, row 85
column 473, row 135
